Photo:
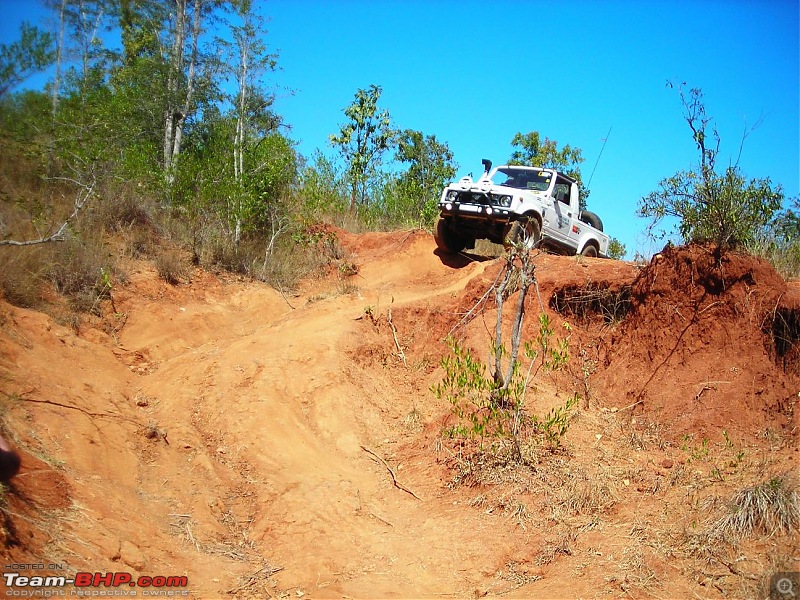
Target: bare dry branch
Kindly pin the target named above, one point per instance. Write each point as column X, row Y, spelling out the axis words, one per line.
column 59, row 235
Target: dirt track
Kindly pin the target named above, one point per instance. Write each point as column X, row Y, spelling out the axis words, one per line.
column 227, row 432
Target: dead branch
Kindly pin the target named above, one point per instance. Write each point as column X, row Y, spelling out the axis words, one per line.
column 59, row 235
column 396, row 483
column 251, row 579
column 471, row 313
column 400, row 352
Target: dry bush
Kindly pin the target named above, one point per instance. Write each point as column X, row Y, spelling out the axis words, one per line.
column 138, row 242
column 766, row 508
column 171, row 266
column 289, row 263
column 78, row 268
column 118, row 210
column 244, row 258
column 22, row 275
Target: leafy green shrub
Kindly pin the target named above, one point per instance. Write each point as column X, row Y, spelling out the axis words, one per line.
column 484, row 408
column 616, row 249
column 723, row 208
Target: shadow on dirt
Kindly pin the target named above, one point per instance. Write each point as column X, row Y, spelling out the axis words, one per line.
column 460, row 260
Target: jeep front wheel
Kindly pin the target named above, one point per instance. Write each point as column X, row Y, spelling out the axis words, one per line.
column 526, row 232
column 446, row 240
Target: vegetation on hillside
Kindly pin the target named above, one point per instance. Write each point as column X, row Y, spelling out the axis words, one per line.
column 721, row 206
column 171, row 141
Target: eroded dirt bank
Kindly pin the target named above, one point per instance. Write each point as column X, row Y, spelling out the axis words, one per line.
column 251, row 440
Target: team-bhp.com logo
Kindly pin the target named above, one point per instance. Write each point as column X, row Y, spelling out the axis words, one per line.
column 94, row 584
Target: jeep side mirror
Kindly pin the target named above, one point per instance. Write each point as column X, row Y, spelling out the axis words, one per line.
column 487, row 165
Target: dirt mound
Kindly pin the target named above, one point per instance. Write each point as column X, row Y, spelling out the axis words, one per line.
column 696, row 350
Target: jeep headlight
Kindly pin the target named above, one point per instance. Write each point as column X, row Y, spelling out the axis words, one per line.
column 504, row 201
column 452, row 196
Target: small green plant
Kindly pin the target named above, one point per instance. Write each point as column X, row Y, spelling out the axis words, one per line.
column 556, row 422
column 490, row 404
column 469, row 391
column 727, row 438
column 702, row 451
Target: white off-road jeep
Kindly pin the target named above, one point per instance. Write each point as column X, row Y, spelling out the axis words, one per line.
column 516, row 204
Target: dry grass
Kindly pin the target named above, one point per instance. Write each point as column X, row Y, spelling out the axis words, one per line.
column 768, row 508
column 22, row 275
column 584, row 493
column 171, row 266
column 593, row 299
column 77, row 271
column 118, row 210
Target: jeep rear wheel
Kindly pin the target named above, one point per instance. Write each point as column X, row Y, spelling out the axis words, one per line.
column 526, row 232
column 446, row 240
column 589, row 250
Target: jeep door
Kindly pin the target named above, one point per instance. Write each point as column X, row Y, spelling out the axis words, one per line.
column 562, row 224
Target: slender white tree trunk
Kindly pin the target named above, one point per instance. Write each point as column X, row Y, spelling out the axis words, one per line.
column 56, row 84
column 187, row 102
column 239, row 136
column 172, row 114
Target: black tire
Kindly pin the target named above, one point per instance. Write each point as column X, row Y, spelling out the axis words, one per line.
column 525, row 231
column 446, row 240
column 589, row 250
column 592, row 219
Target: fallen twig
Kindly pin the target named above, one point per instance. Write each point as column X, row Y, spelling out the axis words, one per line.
column 708, row 385
column 285, row 299
column 616, row 410
column 400, row 352
column 69, row 406
column 396, row 483
column 251, row 579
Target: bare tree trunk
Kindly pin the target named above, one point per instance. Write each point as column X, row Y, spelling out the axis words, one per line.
column 172, row 114
column 56, row 84
column 187, row 103
column 239, row 137
column 87, row 45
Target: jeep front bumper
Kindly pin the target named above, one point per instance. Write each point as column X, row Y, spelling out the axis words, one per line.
column 470, row 210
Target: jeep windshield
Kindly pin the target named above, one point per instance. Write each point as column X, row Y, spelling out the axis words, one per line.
column 523, row 179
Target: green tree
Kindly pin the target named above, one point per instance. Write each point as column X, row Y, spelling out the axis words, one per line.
column 32, row 53
column 616, row 249
column 430, row 167
column 532, row 151
column 363, row 141
column 323, row 188
column 722, row 207
column 249, row 60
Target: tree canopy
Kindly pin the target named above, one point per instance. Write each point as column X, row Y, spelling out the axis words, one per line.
column 720, row 206
column 533, row 151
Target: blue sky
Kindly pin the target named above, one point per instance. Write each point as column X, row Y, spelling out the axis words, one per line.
column 475, row 73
